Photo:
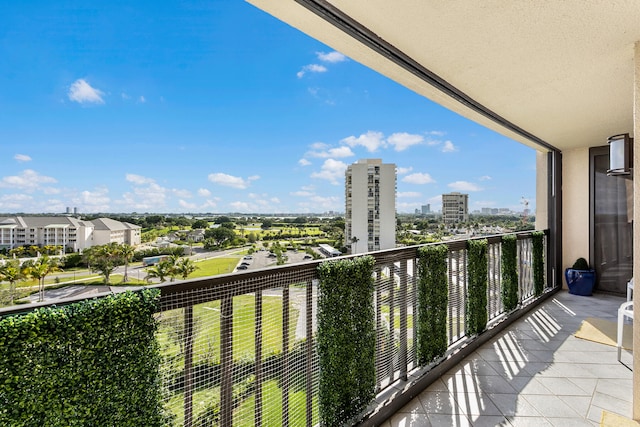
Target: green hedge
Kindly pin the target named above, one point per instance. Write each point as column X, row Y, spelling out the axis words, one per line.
column 477, row 287
column 509, row 272
column 433, row 299
column 346, row 339
column 91, row 363
column 538, row 262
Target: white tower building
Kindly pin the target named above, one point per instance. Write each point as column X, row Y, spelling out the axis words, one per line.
column 455, row 207
column 370, row 199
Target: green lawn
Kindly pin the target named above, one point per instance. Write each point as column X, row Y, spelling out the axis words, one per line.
column 215, row 266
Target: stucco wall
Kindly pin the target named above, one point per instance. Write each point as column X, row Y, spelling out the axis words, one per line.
column 575, row 206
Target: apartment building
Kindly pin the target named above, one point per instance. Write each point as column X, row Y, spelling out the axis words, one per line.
column 455, row 207
column 370, row 206
column 71, row 233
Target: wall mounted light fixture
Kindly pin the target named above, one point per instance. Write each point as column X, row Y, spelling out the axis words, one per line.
column 620, row 154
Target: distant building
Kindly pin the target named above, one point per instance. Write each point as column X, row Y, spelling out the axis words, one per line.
column 455, row 207
column 370, row 211
column 426, row 209
column 68, row 232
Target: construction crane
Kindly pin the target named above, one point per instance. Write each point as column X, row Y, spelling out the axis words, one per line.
column 525, row 202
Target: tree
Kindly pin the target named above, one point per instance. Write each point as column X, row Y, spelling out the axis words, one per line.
column 266, row 224
column 127, row 252
column 160, row 271
column 200, row 223
column 12, row 273
column 220, row 235
column 40, row 269
column 184, row 267
column 104, row 259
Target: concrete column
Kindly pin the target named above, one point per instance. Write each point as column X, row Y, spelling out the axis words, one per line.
column 636, row 232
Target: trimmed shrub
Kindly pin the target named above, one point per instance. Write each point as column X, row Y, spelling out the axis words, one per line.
column 433, row 299
column 477, row 287
column 509, row 248
column 91, row 363
column 537, row 238
column 346, row 339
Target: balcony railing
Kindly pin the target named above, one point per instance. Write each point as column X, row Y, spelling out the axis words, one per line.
column 239, row 348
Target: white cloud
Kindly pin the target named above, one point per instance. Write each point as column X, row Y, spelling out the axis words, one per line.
column 139, row 179
column 485, row 178
column 316, row 203
column 418, row 178
column 29, row 180
column 437, row 133
column 231, row 181
column 14, row 202
column 141, row 100
column 210, row 203
column 403, row 171
column 464, row 186
column 81, row 92
column 146, row 195
column 301, row 193
column 371, row 141
column 332, row 170
column 125, row 96
column 311, row 68
column 22, row 158
column 402, row 140
column 338, row 152
column 97, row 200
column 240, row 206
column 448, row 147
column 409, row 194
column 204, row 192
column 331, row 57
column 184, row 194
column 187, row 205
column 304, row 162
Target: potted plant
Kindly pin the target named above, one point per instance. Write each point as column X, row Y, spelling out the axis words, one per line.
column 580, row 278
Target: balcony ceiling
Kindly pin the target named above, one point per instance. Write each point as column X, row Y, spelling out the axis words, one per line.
column 560, row 71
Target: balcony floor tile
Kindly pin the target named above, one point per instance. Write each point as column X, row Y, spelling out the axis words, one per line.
column 537, row 373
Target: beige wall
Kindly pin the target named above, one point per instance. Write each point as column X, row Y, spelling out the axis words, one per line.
column 575, row 206
column 636, row 232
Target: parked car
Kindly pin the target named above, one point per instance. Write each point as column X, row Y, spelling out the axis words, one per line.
column 243, row 267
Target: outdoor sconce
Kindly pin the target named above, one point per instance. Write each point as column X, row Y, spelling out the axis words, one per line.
column 620, row 154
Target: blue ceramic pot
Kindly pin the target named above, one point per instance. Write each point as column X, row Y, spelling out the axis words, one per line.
column 580, row 282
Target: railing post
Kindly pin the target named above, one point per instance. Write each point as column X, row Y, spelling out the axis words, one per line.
column 309, row 351
column 226, row 362
column 258, row 359
column 403, row 320
column 379, row 334
column 285, row 356
column 188, row 363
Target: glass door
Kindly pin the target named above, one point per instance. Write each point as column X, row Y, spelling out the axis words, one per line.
column 611, row 223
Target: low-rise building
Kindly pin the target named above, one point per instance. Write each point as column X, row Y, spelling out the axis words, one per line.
column 71, row 233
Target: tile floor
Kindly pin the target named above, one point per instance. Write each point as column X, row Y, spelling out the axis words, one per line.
column 536, row 373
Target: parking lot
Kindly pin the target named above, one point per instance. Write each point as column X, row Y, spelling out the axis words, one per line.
column 262, row 259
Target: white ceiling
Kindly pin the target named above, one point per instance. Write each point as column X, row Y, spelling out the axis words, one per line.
column 560, row 70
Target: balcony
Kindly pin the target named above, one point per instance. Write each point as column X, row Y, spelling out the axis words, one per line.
column 240, row 349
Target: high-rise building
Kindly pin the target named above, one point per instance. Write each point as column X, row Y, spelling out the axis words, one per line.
column 370, row 206
column 426, row 209
column 455, row 207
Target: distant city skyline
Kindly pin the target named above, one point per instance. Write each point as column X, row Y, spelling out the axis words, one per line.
column 218, row 108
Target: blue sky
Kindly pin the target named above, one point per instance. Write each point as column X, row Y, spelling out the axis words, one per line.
column 188, row 107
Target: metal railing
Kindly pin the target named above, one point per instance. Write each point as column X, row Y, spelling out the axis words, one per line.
column 239, row 348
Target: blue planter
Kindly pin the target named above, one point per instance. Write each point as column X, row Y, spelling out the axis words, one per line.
column 580, row 282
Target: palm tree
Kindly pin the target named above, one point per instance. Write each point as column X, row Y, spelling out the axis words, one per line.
column 40, row 269
column 11, row 272
column 127, row 252
column 185, row 267
column 160, row 271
